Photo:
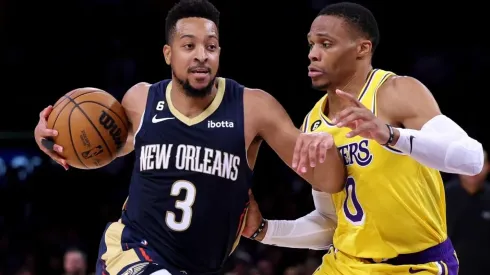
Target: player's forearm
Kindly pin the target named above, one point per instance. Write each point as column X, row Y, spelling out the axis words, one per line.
column 441, row 144
column 128, row 147
column 330, row 175
column 313, row 231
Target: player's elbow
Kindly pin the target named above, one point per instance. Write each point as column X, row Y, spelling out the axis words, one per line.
column 479, row 157
column 466, row 156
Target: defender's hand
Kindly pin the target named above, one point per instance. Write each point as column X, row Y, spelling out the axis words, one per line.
column 253, row 219
column 43, row 136
column 310, row 149
column 361, row 120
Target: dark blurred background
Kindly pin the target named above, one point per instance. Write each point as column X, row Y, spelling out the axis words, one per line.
column 51, row 221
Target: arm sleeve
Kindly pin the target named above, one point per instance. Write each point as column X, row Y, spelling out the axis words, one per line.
column 443, row 145
column 313, row 231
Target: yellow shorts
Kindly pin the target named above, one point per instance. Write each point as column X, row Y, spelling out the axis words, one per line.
column 337, row 263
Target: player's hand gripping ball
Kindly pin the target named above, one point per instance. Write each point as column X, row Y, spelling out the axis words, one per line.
column 85, row 129
column 310, row 149
column 361, row 120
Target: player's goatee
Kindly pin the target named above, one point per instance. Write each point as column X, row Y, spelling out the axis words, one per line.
column 193, row 92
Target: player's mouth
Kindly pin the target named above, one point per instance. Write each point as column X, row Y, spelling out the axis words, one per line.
column 200, row 72
column 314, row 71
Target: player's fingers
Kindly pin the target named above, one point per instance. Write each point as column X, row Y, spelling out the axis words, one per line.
column 45, row 113
column 44, row 132
column 342, row 114
column 303, row 157
column 51, row 146
column 350, row 98
column 312, row 152
column 322, row 149
column 363, row 127
column 296, row 152
column 57, row 158
column 347, row 120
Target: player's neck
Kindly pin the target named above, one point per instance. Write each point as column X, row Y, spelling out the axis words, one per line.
column 352, row 85
column 188, row 105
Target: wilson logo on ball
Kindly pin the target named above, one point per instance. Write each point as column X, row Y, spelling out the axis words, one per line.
column 108, row 122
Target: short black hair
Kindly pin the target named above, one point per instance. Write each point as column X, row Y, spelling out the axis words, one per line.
column 358, row 17
column 187, row 9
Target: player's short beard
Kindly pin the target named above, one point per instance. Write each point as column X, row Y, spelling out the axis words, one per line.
column 323, row 87
column 193, row 92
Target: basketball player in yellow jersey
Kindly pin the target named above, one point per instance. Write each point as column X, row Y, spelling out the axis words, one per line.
column 391, row 217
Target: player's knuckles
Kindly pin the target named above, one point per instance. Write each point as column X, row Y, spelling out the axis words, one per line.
column 304, row 151
column 324, row 144
column 312, row 146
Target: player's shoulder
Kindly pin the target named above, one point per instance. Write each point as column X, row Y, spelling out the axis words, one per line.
column 397, row 90
column 134, row 100
column 138, row 89
column 255, row 98
column 401, row 85
column 136, row 93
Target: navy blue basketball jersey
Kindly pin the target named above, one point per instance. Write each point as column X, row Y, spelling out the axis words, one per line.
column 189, row 190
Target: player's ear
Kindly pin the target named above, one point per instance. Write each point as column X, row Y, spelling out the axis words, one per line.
column 167, row 53
column 364, row 48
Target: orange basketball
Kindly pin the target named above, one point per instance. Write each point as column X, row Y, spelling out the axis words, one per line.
column 92, row 127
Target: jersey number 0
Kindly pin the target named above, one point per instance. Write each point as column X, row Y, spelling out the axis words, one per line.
column 184, row 205
column 359, row 216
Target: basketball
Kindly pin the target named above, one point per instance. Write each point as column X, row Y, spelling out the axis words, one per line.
column 92, row 127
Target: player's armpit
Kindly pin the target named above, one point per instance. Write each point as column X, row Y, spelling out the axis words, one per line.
column 273, row 124
column 134, row 103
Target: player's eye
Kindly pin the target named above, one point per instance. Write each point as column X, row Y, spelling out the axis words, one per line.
column 212, row 47
column 326, row 44
column 188, row 46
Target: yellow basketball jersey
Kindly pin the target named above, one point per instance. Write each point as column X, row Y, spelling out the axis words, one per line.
column 391, row 204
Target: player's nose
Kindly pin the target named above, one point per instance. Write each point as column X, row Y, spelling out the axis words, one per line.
column 314, row 54
column 201, row 55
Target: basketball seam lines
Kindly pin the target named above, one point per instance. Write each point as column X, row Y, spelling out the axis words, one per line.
column 67, row 97
column 95, row 102
column 71, row 137
column 93, row 125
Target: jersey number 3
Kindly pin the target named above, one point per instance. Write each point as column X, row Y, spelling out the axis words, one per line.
column 184, row 205
column 359, row 216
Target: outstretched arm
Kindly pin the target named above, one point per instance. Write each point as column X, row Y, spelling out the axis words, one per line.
column 313, row 156
column 424, row 133
column 427, row 135
column 313, row 231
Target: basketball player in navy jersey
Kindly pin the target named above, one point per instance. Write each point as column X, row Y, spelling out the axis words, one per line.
column 196, row 139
